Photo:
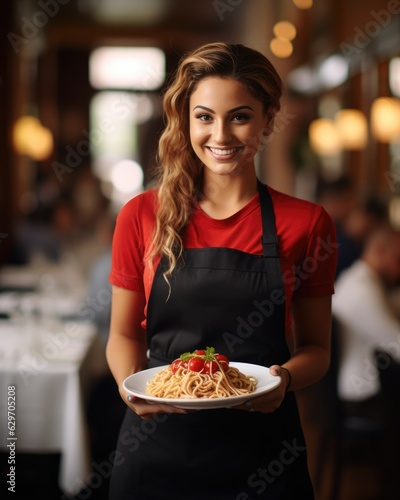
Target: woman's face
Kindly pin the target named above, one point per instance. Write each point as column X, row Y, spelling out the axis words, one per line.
column 226, row 126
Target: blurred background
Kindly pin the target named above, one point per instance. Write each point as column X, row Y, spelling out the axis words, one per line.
column 80, row 98
column 80, row 86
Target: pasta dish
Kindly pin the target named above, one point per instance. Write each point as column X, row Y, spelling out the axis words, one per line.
column 198, row 375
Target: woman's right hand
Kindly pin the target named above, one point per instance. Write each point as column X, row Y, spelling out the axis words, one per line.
column 146, row 409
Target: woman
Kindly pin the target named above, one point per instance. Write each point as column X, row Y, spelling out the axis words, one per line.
column 215, row 258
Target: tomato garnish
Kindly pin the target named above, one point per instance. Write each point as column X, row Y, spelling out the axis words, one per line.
column 223, row 361
column 211, row 367
column 206, row 360
column 175, row 365
column 196, row 364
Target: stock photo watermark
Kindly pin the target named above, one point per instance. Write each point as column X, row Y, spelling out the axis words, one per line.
column 120, row 110
column 225, row 6
column 11, row 438
column 364, row 36
column 268, row 474
column 293, row 278
column 371, row 370
column 56, row 343
column 30, row 27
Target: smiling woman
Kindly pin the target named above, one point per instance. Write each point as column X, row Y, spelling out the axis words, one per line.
column 225, row 136
column 212, row 258
column 183, row 174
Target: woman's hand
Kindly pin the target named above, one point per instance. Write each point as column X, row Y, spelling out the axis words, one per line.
column 145, row 409
column 271, row 401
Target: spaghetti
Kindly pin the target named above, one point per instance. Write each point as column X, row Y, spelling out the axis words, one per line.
column 188, row 384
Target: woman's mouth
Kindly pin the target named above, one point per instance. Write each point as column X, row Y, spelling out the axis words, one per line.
column 223, row 153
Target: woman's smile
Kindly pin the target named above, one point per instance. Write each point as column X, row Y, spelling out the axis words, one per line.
column 226, row 123
column 224, row 154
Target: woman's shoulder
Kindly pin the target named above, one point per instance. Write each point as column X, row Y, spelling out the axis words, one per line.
column 298, row 210
column 138, row 214
column 141, row 204
column 280, row 199
column 145, row 200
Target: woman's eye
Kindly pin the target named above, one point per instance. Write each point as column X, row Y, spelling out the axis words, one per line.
column 241, row 117
column 203, row 117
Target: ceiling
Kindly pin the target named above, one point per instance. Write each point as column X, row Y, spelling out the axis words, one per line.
column 176, row 23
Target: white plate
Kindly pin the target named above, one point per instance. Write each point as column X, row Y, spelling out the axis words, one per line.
column 136, row 385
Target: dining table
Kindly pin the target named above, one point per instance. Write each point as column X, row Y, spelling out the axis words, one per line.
column 50, row 358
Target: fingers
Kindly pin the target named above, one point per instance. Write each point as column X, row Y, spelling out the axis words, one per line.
column 283, row 372
column 275, row 370
column 147, row 410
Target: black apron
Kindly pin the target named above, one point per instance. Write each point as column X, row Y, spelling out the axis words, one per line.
column 235, row 302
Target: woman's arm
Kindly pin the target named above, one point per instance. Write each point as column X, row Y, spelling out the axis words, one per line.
column 127, row 347
column 311, row 342
column 310, row 351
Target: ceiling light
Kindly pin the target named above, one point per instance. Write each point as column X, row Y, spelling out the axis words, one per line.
column 385, row 119
column 281, row 47
column 127, row 177
column 324, row 137
column 333, row 71
column 138, row 68
column 304, row 80
column 126, row 11
column 285, row 29
column 303, row 4
column 352, row 127
column 31, row 138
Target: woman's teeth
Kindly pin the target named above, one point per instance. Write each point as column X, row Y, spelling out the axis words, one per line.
column 223, row 152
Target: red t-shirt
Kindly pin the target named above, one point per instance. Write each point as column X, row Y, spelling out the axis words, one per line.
column 306, row 236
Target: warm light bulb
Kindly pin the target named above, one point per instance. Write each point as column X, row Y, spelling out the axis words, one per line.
column 281, row 47
column 23, row 128
column 324, row 137
column 285, row 29
column 303, row 4
column 41, row 144
column 385, row 119
column 32, row 139
column 352, row 128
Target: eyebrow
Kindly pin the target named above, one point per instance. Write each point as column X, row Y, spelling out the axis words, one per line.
column 230, row 111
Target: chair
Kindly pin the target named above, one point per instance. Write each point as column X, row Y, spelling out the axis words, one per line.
column 345, row 438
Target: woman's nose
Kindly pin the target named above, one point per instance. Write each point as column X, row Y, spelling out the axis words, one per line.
column 221, row 132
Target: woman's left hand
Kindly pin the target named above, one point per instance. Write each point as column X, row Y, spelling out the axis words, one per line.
column 271, row 401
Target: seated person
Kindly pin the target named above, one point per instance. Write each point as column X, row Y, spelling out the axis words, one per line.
column 367, row 323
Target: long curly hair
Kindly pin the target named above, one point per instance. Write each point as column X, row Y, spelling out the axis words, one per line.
column 179, row 171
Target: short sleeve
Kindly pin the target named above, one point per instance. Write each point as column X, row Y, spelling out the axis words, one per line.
column 315, row 272
column 132, row 233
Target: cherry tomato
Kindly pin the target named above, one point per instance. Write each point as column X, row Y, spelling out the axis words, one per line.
column 211, row 367
column 175, row 365
column 196, row 364
column 223, row 361
column 200, row 352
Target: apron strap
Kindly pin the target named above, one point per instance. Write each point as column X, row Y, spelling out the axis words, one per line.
column 269, row 238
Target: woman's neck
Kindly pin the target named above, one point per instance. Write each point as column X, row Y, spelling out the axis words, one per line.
column 223, row 196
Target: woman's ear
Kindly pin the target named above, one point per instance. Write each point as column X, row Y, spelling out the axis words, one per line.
column 269, row 121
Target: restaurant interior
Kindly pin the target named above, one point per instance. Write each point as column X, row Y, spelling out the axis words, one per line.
column 80, row 93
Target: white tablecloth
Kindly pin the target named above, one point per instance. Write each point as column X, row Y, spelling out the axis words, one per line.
column 52, row 369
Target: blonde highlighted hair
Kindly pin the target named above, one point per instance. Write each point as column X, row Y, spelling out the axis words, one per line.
column 180, row 171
